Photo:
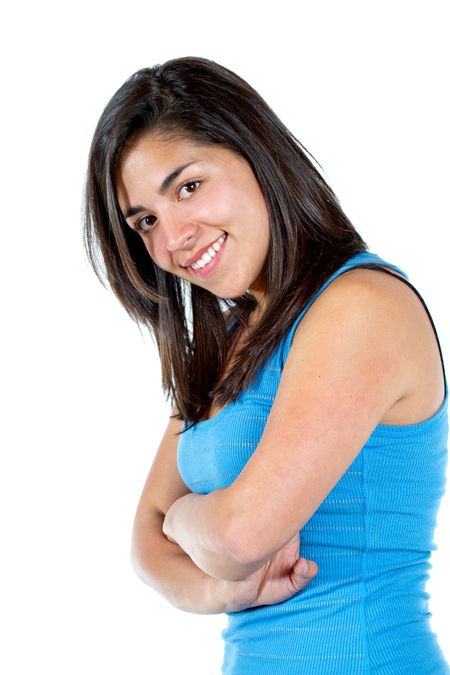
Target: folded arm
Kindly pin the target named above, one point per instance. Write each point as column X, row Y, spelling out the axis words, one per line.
column 347, row 367
column 162, row 564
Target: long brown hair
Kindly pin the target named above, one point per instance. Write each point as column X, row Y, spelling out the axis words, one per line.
column 310, row 236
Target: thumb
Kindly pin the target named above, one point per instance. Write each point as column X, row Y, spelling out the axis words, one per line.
column 305, row 569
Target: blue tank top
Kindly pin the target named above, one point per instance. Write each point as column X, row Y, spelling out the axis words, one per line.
column 366, row 611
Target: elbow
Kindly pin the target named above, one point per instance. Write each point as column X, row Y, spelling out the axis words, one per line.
column 144, row 554
column 244, row 538
column 139, row 562
column 243, row 549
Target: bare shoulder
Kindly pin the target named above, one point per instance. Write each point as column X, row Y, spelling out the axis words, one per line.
column 382, row 290
column 364, row 354
column 374, row 310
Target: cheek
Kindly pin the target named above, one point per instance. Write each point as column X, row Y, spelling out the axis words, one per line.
column 220, row 204
column 157, row 252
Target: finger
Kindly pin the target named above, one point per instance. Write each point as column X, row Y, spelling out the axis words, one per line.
column 306, row 569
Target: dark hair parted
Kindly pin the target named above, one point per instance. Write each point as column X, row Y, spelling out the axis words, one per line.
column 310, row 236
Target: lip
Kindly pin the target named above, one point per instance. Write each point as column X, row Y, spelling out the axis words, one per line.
column 203, row 250
column 206, row 271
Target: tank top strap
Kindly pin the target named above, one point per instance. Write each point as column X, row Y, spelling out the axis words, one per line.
column 365, row 260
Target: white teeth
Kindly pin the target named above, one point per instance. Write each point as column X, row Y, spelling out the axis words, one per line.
column 209, row 254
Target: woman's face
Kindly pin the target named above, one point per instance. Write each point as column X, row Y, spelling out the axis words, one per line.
column 200, row 213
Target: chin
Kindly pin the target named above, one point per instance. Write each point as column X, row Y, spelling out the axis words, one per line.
column 230, row 294
column 225, row 291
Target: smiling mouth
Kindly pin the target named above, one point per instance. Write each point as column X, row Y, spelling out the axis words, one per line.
column 209, row 254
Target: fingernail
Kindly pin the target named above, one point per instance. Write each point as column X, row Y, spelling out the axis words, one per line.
column 304, row 567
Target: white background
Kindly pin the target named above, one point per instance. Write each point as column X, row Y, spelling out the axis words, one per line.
column 364, row 86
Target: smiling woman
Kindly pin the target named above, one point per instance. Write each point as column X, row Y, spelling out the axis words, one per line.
column 305, row 373
column 204, row 220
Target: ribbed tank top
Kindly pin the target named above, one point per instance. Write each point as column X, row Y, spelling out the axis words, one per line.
column 366, row 611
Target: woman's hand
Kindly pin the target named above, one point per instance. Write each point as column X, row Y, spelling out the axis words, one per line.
column 277, row 580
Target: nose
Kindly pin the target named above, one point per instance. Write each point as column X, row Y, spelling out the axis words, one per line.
column 179, row 231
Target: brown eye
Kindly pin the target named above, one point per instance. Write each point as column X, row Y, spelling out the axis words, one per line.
column 188, row 188
column 145, row 224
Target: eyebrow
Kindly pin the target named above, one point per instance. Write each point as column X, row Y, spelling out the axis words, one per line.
column 167, row 182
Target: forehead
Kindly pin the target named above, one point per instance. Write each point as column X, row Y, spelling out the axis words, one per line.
column 161, row 150
column 148, row 161
column 157, row 146
column 149, row 158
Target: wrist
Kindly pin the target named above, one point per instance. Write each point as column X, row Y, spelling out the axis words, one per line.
column 208, row 597
column 226, row 595
column 217, row 595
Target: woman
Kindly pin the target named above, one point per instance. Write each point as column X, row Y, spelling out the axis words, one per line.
column 306, row 377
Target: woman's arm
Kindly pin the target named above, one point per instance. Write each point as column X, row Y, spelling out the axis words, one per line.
column 353, row 357
column 160, row 563
column 164, row 566
column 199, row 524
